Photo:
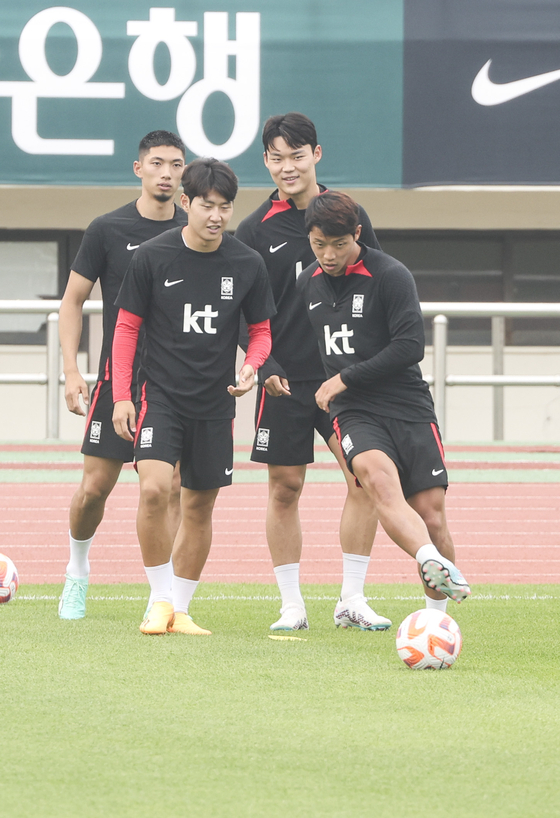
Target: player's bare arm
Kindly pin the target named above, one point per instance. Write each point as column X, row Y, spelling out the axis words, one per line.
column 77, row 291
column 277, row 386
column 246, row 382
column 328, row 391
column 124, row 419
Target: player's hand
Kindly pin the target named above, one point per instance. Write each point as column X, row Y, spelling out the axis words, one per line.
column 74, row 387
column 329, row 390
column 277, row 386
column 124, row 419
column 246, row 382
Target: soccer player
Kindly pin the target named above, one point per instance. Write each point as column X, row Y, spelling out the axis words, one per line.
column 189, row 287
column 108, row 245
column 366, row 316
column 285, row 427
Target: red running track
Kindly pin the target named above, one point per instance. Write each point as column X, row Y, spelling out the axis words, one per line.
column 504, row 533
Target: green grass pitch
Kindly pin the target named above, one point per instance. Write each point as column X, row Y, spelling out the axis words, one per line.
column 99, row 720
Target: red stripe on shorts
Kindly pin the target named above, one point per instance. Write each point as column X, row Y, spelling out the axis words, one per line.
column 261, row 407
column 438, row 441
column 93, row 405
column 336, row 428
column 142, row 415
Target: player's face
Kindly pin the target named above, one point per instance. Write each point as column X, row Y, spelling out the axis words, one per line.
column 208, row 218
column 335, row 253
column 292, row 169
column 160, row 170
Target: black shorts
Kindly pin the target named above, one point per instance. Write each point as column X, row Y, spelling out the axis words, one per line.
column 415, row 448
column 204, row 447
column 100, row 439
column 285, row 427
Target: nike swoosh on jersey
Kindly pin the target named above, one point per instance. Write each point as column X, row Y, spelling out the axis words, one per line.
column 435, row 473
column 168, row 283
column 228, row 472
column 130, row 246
column 312, row 306
column 272, row 249
column 486, row 92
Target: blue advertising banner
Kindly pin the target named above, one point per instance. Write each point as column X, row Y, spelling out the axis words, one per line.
column 81, row 84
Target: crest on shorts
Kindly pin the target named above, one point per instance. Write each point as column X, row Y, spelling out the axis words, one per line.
column 357, row 305
column 347, row 444
column 146, row 437
column 226, row 288
column 263, row 438
column 95, row 431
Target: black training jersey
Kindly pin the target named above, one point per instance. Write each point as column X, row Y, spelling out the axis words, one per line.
column 191, row 304
column 370, row 330
column 276, row 230
column 106, row 250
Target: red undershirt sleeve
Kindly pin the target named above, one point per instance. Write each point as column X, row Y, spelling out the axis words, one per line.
column 260, row 344
column 125, row 341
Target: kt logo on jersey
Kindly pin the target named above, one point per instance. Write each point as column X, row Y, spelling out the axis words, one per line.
column 191, row 319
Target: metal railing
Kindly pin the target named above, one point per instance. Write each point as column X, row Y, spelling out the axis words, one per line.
column 440, row 312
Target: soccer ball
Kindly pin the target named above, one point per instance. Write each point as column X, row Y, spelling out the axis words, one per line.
column 9, row 580
column 429, row 639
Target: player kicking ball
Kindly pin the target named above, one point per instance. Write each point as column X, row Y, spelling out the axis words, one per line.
column 364, row 309
column 287, row 415
column 188, row 287
column 108, row 246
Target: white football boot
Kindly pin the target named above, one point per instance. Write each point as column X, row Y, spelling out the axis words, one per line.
column 354, row 612
column 293, row 618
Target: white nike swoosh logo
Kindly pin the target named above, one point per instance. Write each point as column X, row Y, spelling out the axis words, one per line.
column 486, row 92
column 130, row 246
column 312, row 306
column 435, row 473
column 168, row 283
column 272, row 249
column 229, row 471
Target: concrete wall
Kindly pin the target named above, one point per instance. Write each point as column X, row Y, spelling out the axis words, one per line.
column 531, row 413
column 437, row 208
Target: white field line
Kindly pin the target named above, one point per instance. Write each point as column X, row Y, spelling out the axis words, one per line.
column 275, row 598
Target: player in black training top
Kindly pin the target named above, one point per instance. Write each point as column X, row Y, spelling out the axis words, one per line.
column 365, row 313
column 188, row 287
column 287, row 415
column 106, row 250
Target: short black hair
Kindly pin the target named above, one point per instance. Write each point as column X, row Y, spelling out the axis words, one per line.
column 155, row 139
column 334, row 213
column 297, row 129
column 206, row 174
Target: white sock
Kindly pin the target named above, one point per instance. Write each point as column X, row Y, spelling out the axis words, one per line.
column 78, row 567
column 354, row 570
column 183, row 592
column 436, row 604
column 287, row 577
column 151, row 600
column 160, row 577
column 427, row 552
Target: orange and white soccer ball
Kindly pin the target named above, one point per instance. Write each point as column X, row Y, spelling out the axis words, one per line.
column 9, row 580
column 429, row 639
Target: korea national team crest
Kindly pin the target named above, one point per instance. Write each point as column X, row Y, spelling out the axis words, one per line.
column 226, row 289
column 263, row 438
column 357, row 306
column 347, row 444
column 95, row 431
column 146, row 437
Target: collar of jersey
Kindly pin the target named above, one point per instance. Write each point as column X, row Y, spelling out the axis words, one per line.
column 275, row 197
column 358, row 268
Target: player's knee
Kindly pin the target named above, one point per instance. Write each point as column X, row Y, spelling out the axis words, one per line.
column 379, row 486
column 94, row 490
column 286, row 491
column 154, row 495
